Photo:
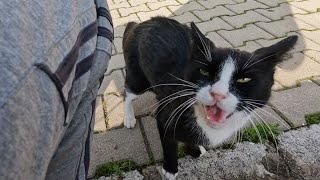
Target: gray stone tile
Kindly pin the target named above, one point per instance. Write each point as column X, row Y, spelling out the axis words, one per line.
column 151, row 130
column 213, row 25
column 113, row 83
column 218, row 40
column 269, row 116
column 297, row 102
column 208, row 14
column 116, row 62
column 117, row 145
column 145, row 104
column 100, row 120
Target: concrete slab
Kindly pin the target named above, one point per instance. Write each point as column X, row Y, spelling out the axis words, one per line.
column 114, row 105
column 297, row 102
column 117, row 145
column 116, row 62
column 145, row 104
column 206, row 15
column 113, row 83
column 213, row 25
column 153, row 137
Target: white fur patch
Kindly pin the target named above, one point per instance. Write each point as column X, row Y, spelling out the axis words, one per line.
column 168, row 175
column 202, row 150
column 222, row 86
column 129, row 118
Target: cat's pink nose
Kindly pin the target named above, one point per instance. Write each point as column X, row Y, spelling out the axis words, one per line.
column 217, row 97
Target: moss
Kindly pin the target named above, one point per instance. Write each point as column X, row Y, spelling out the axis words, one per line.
column 182, row 151
column 267, row 132
column 313, row 118
column 115, row 167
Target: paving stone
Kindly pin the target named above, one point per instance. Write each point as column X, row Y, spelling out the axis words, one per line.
column 312, row 19
column 124, row 4
column 113, row 83
column 313, row 54
column 278, row 12
column 145, row 104
column 277, row 87
column 239, row 36
column 135, row 9
column 119, row 1
column 191, row 6
column 272, row 3
column 312, row 35
column 125, row 20
column 301, row 45
column 213, row 25
column 248, row 5
column 118, row 45
column 316, row 80
column 117, row 145
column 186, row 18
column 157, row 5
column 309, row 5
column 249, row 17
column 115, row 107
column 209, row 4
column 160, row 12
column 206, row 15
column 114, row 14
column 297, row 102
column 100, row 120
column 249, row 46
column 138, row 2
column 296, row 68
column 152, row 133
column 281, row 27
column 119, row 30
column 116, row 62
column 268, row 116
column 113, row 52
column 218, row 40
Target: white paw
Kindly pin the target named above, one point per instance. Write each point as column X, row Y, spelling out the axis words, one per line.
column 129, row 122
column 168, row 175
column 203, row 150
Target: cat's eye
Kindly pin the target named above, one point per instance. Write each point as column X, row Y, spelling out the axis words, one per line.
column 243, row 80
column 204, row 72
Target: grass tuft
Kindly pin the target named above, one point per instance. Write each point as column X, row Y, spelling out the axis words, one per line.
column 313, row 118
column 182, row 151
column 268, row 133
column 115, row 167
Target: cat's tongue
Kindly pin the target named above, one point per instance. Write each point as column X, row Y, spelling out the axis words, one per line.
column 214, row 114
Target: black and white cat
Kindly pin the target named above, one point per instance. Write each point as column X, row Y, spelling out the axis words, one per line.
column 202, row 89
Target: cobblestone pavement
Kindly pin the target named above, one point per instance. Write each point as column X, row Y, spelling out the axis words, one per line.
column 243, row 24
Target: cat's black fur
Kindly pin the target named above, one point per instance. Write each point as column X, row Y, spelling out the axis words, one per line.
column 159, row 50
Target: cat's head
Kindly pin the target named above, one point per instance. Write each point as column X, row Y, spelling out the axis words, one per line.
column 231, row 82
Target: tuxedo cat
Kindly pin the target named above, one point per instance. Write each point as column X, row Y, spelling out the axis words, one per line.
column 205, row 93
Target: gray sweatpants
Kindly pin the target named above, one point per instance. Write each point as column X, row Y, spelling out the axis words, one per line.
column 53, row 54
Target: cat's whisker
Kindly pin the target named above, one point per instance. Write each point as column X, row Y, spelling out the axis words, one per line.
column 188, row 106
column 263, row 59
column 208, row 55
column 248, row 62
column 166, row 98
column 266, row 112
column 202, row 63
column 173, row 114
column 168, row 84
column 169, row 101
column 253, row 124
column 253, row 100
column 188, row 82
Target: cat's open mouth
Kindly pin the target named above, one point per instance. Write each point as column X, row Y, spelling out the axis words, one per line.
column 215, row 115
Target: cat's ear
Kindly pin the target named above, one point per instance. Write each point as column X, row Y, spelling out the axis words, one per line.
column 273, row 54
column 199, row 40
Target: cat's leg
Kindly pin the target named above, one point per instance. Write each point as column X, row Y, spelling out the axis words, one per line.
column 170, row 154
column 129, row 118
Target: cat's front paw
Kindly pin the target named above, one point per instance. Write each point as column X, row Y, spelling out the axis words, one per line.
column 202, row 150
column 168, row 175
column 129, row 122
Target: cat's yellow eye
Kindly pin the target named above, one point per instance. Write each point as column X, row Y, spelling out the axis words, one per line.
column 204, row 72
column 243, row 80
